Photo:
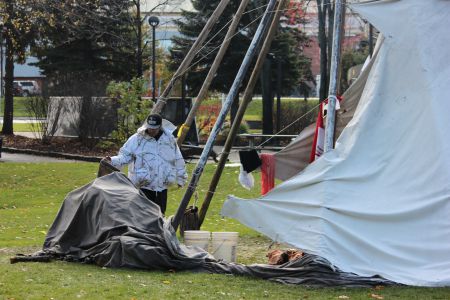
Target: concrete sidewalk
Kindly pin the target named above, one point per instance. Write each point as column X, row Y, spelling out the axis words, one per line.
column 15, row 157
column 26, row 158
column 233, row 157
column 20, row 120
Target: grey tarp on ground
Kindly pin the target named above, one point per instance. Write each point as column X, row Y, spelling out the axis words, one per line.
column 110, row 223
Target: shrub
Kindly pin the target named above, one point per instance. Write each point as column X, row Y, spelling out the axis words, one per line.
column 133, row 109
column 297, row 115
column 42, row 127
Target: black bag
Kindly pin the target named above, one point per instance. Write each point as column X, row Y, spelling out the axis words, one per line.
column 189, row 221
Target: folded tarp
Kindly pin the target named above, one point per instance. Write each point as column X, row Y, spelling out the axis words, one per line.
column 109, row 222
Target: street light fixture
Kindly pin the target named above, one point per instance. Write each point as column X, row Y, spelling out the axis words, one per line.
column 153, row 21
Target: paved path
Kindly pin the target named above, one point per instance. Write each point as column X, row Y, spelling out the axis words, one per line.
column 20, row 120
column 9, row 157
column 13, row 157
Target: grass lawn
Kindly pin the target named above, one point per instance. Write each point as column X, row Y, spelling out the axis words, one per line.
column 22, row 127
column 31, row 195
column 254, row 109
column 18, row 106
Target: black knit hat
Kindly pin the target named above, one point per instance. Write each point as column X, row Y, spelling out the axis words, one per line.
column 154, row 121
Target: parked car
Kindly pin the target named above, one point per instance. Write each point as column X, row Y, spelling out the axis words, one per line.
column 17, row 90
column 29, row 87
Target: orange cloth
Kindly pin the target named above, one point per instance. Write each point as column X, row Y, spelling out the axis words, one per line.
column 267, row 172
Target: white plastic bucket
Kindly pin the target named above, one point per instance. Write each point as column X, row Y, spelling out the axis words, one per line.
column 197, row 238
column 224, row 245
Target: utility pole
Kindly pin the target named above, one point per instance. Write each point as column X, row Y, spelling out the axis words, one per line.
column 339, row 10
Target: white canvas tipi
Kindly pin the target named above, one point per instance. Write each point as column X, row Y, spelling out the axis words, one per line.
column 379, row 203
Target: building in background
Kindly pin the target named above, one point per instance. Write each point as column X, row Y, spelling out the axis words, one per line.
column 167, row 11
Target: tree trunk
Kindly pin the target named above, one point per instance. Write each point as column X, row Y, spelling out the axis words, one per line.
column 322, row 39
column 234, row 108
column 330, row 18
column 267, row 97
column 9, row 79
column 139, row 40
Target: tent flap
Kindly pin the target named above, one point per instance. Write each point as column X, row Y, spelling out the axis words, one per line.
column 379, row 203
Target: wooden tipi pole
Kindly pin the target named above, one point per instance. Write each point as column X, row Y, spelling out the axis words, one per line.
column 196, row 174
column 212, row 71
column 241, row 111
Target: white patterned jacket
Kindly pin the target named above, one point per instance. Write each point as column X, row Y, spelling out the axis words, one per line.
column 153, row 164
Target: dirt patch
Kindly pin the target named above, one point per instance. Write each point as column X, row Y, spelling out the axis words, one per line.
column 59, row 144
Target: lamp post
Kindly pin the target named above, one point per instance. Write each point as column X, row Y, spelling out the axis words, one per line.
column 153, row 21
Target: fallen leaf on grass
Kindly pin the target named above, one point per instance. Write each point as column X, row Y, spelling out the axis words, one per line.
column 343, row 297
column 375, row 296
column 166, row 282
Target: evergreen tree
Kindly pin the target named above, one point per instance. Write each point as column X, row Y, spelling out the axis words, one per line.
column 287, row 46
column 90, row 43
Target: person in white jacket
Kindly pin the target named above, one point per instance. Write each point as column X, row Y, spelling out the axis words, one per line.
column 154, row 160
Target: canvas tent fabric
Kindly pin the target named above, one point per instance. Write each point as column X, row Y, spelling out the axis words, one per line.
column 296, row 156
column 109, row 222
column 379, row 203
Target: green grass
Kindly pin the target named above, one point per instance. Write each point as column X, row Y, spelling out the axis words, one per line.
column 253, row 112
column 31, row 195
column 22, row 127
column 18, row 106
column 254, row 109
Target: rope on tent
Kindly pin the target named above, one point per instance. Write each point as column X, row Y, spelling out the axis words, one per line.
column 220, row 30
column 282, row 130
column 292, row 123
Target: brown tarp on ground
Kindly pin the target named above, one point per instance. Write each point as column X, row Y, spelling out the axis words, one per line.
column 109, row 222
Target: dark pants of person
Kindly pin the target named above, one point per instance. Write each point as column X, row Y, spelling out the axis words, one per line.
column 159, row 198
